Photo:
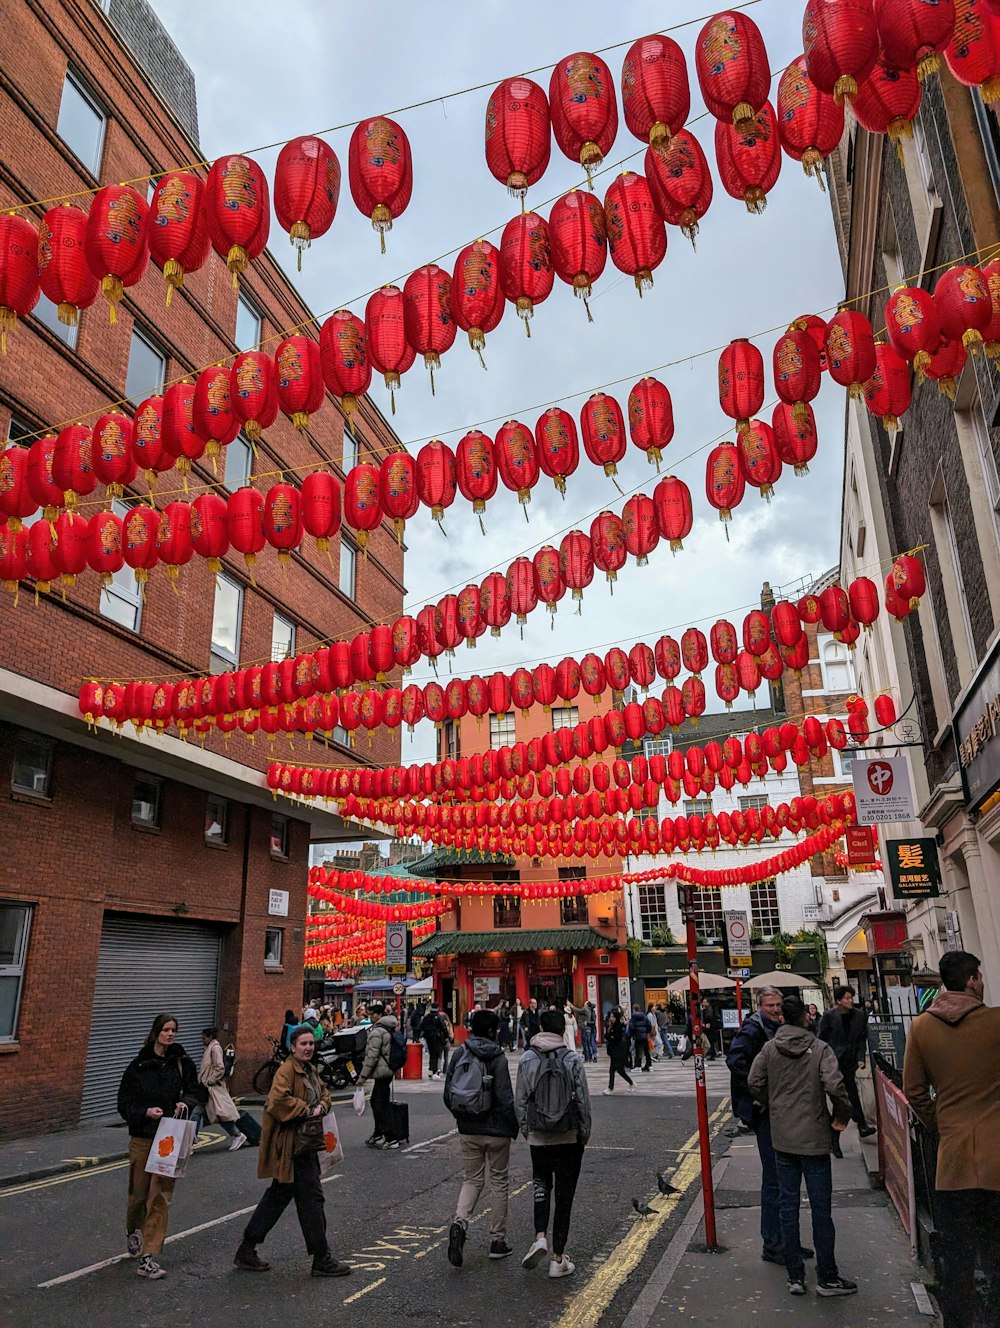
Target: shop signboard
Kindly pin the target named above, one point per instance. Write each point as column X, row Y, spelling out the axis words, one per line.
column 882, row 790
column 913, row 867
column 977, row 733
column 860, row 845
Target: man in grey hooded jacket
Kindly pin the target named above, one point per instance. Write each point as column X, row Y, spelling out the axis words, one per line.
column 793, row 1076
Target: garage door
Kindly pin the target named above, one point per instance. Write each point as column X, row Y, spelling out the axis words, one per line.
column 146, row 966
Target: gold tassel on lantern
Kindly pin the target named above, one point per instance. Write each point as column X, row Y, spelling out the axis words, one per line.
column 237, row 261
column 301, row 236
column 112, row 289
column 173, row 275
column 381, row 222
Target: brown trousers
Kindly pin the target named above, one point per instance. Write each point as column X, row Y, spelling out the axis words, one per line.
column 148, row 1198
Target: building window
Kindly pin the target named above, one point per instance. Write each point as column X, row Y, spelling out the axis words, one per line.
column 349, row 452
column 502, row 730
column 764, row 914
column 836, row 666
column 573, row 911
column 217, row 820
column 341, row 736
column 147, row 368
column 239, row 463
column 955, row 602
column 279, row 836
column 282, row 639
column 697, row 806
column 348, row 568
column 753, row 801
column 657, row 746
column 81, row 123
column 121, row 598
column 227, row 621
column 15, row 927
column 248, row 324
column 31, row 769
column 48, row 313
column 653, row 915
column 506, row 911
column 645, row 814
column 565, row 717
column 147, row 802
column 273, row 938
column 451, row 742
column 843, row 761
column 974, row 434
column 706, row 909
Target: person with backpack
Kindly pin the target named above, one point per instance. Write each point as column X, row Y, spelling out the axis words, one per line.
column 433, row 1032
column 385, row 1053
column 479, row 1095
column 552, row 1105
column 638, row 1031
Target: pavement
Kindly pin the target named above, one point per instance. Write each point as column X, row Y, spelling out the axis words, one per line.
column 388, row 1216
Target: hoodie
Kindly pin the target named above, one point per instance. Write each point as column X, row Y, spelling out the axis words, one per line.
column 500, row 1120
column 376, row 1062
column 527, row 1074
column 793, row 1076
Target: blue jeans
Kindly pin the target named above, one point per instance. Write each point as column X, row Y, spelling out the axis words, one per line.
column 770, row 1220
column 589, row 1043
column 668, row 1047
column 819, row 1186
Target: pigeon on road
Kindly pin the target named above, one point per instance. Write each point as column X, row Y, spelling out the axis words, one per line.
column 642, row 1209
column 663, row 1185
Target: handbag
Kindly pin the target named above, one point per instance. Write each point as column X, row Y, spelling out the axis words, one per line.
column 309, row 1135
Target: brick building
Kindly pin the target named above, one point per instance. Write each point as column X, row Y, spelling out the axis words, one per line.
column 932, row 484
column 142, row 873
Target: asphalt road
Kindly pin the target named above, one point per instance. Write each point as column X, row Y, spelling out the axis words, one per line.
column 388, row 1216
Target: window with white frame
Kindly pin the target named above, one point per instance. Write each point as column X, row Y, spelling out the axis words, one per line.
column 348, row 578
column 31, row 768
column 217, row 820
column 661, row 746
column 764, row 914
column 279, row 835
column 48, row 313
column 973, row 421
column 227, row 621
column 653, row 914
column 282, row 638
column 565, row 717
column 341, row 736
column 753, row 801
column 248, row 323
column 15, row 929
column 836, row 665
column 502, row 730
column 843, row 761
column 147, row 367
column 706, row 909
column 273, row 945
column 697, row 806
column 121, row 598
column 451, row 747
column 147, row 802
column 239, row 463
column 645, row 814
column 81, row 122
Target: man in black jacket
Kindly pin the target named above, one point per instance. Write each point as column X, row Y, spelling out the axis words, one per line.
column 845, row 1029
column 479, row 1068
column 638, row 1032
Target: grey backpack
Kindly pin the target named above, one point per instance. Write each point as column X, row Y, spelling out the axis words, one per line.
column 470, row 1091
column 552, row 1105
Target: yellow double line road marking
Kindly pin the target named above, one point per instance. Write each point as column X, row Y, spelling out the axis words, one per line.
column 586, row 1308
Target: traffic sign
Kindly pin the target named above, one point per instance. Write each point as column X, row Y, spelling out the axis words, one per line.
column 741, row 973
column 737, row 937
column 395, row 970
column 398, row 988
column 395, row 945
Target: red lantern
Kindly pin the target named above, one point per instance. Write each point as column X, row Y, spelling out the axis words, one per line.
column 212, row 415
column 749, row 159
column 795, row 440
column 116, row 241
column 724, row 642
column 607, row 540
column 343, row 357
column 796, row 370
column 210, row 529
column 427, row 320
column 786, row 623
column 964, row 305
column 557, row 445
column 495, row 602
column 694, row 701
column 667, row 654
column 179, row 241
column 436, row 479
column 651, row 418
column 642, row 534
column 747, row 672
column 887, row 101
column 908, row 579
column 656, row 97
column 796, row 657
column 471, row 624
column 885, row 710
column 724, row 481
column 41, row 557
column 446, row 623
column 945, row 367
column 380, row 172
column 111, row 453
column 887, row 392
column 603, row 427
column 254, row 392
column 862, row 595
column 174, row 547
column 756, row 633
column 139, row 531
column 895, row 605
column 913, row 325
column 476, row 470
column 810, row 122
column 972, row 52
column 526, row 272
column 405, row 648
column 576, row 562
column 237, row 211
column 63, row 272
column 34, row 479
column 362, row 508
column 760, row 459
column 741, row 381
column 912, row 32
column 521, row 590
column 72, row 463
column 674, row 513
column 579, row 242
column 477, row 302
column 850, row 350
column 306, row 190
column 841, row 44
column 105, row 551
column 549, row 585
column 637, row 237
column 385, row 336
column 517, row 460
column 991, row 275
column 245, row 517
column 430, row 646
column 694, row 650
column 834, row 609
column 282, row 519
column 299, row 379
column 680, row 181
column 727, row 685
column 584, row 109
column 181, row 440
column 809, row 609
column 732, row 67
column 518, row 139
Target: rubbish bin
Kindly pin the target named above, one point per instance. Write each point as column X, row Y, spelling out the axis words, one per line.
column 414, row 1067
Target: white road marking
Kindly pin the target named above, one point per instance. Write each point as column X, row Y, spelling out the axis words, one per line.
column 424, row 1142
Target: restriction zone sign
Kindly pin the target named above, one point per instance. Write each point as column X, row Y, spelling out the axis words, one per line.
column 395, row 948
column 737, row 937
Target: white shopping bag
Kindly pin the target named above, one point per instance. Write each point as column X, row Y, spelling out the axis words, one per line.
column 360, row 1101
column 171, row 1147
column 333, row 1150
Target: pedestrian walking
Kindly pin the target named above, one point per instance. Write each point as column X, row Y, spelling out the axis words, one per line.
column 160, row 1081
column 663, row 1024
column 505, row 1036
column 954, row 1050
column 517, row 1027
column 432, row 1030
column 616, row 1041
column 746, row 1046
column 284, row 1039
column 377, row 1067
column 638, row 1032
column 655, row 1040
column 479, row 1095
column 416, row 1019
column 845, row 1029
column 709, row 1026
column 585, row 1017
column 530, row 1022
column 570, row 1035
column 220, row 1107
column 553, row 1111
column 289, row 1158
column 793, row 1076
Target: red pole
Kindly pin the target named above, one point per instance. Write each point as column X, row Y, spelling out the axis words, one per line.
column 701, row 1089
column 739, row 1003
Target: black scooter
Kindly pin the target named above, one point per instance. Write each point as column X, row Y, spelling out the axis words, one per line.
column 339, row 1057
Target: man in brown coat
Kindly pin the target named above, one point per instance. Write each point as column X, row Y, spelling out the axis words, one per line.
column 955, row 1049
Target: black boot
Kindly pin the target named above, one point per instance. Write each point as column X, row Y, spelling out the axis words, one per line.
column 247, row 1259
column 328, row 1266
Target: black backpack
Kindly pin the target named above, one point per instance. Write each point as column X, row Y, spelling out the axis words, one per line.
column 397, row 1050
column 552, row 1105
column 431, row 1027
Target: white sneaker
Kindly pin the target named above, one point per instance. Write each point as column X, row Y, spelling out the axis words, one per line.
column 536, row 1254
column 133, row 1243
column 561, row 1267
column 631, row 1088
column 149, row 1268
column 238, row 1142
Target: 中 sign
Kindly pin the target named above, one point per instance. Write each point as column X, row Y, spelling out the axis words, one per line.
column 914, row 868
column 277, row 903
column 737, row 938
column 882, row 790
column 395, row 946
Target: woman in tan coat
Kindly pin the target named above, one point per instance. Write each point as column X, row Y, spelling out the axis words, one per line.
column 290, row 1159
column 220, row 1108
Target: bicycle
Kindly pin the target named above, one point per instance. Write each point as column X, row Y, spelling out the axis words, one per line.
column 264, row 1075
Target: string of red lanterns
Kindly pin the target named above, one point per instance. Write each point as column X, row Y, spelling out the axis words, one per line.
column 326, row 881
column 366, row 908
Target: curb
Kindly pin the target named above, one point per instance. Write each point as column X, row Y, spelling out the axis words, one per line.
column 58, row 1169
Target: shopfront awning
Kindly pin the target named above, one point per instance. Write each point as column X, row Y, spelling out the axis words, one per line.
column 515, row 941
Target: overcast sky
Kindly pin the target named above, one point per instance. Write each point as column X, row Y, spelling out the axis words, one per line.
column 267, row 72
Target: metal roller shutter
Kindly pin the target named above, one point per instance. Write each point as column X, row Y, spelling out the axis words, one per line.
column 146, row 966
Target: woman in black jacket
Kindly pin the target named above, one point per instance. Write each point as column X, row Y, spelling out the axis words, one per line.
column 617, row 1042
column 161, row 1081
